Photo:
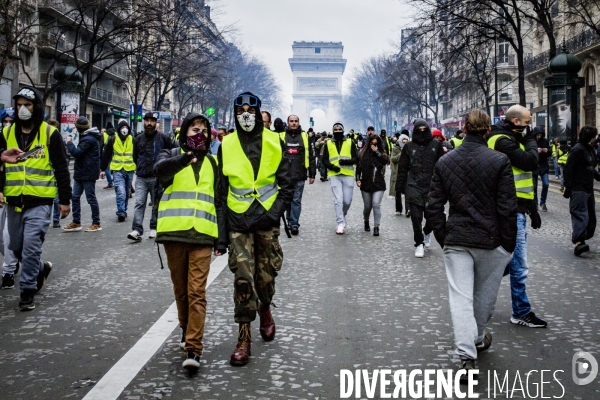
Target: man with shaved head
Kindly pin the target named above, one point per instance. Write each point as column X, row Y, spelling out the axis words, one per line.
column 513, row 137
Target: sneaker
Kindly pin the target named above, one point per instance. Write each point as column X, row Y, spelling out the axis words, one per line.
column 134, row 235
column 182, row 341
column 152, row 234
column 121, row 218
column 192, row 360
column 581, row 248
column 294, row 230
column 398, row 212
column 56, row 224
column 43, row 275
column 467, row 365
column 8, row 281
column 26, row 301
column 109, row 186
column 407, row 214
column 340, row 229
column 485, row 343
column 562, row 189
column 530, row 321
column 94, row 228
column 544, row 208
column 72, row 227
column 419, row 251
column 427, row 241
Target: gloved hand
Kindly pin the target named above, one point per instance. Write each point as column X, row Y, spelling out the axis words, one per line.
column 336, row 168
column 187, row 158
column 567, row 193
column 343, row 161
column 536, row 220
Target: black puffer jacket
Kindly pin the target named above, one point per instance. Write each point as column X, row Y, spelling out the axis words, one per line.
column 416, row 165
column 87, row 155
column 478, row 182
column 146, row 149
column 370, row 170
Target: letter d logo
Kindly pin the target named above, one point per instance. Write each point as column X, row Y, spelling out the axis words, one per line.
column 584, row 363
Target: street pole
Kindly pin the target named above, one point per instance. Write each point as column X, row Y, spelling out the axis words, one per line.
column 495, row 77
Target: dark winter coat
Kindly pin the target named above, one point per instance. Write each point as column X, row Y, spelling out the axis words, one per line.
column 146, row 149
column 370, row 170
column 479, row 185
column 416, row 164
column 543, row 166
column 527, row 159
column 580, row 170
column 295, row 152
column 87, row 155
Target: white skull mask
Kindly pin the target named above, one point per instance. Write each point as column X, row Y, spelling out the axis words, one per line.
column 247, row 121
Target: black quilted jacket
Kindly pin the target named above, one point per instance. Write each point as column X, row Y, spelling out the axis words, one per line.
column 479, row 185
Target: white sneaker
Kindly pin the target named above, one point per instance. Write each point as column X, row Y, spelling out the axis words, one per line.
column 344, row 223
column 152, row 234
column 419, row 251
column 134, row 235
column 398, row 213
column 340, row 229
column 427, row 241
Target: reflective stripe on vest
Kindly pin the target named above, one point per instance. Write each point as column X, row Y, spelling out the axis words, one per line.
column 335, row 157
column 305, row 142
column 34, row 176
column 523, row 179
column 187, row 204
column 243, row 188
column 122, row 154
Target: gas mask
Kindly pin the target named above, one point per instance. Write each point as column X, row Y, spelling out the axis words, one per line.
column 247, row 121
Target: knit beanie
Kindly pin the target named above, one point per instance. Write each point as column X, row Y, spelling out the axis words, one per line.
column 82, row 124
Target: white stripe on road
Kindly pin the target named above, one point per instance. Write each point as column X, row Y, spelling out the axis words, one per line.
column 125, row 370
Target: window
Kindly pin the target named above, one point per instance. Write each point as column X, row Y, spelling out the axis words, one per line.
column 317, row 50
column 590, row 81
column 503, row 52
column 506, row 89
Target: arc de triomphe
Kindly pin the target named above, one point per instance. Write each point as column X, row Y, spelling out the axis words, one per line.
column 318, row 68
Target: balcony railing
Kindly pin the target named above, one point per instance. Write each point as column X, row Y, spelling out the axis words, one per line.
column 108, row 97
column 507, row 60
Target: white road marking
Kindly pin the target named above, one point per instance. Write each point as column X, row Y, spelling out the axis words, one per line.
column 126, row 369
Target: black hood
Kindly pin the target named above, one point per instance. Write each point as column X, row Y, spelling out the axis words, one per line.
column 421, row 137
column 122, row 124
column 187, row 121
column 258, row 127
column 539, row 129
column 38, row 108
column 278, row 125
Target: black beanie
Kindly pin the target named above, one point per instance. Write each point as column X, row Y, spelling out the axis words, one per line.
column 82, row 124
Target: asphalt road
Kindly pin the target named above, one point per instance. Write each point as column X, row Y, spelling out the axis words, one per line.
column 343, row 302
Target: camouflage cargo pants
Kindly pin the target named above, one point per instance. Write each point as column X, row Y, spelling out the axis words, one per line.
column 255, row 259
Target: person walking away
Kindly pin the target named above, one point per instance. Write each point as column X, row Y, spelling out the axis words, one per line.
column 370, row 178
column 255, row 189
column 562, row 154
column 118, row 158
column 146, row 148
column 414, row 175
column 29, row 188
column 302, row 164
column 543, row 167
column 513, row 137
column 580, row 172
column 85, row 173
column 189, row 175
column 394, row 159
column 107, row 134
column 479, row 234
column 339, row 156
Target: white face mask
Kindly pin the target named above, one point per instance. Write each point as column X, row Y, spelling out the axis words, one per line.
column 247, row 121
column 24, row 114
column 7, row 124
column 124, row 131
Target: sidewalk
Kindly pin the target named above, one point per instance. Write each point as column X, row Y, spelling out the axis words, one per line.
column 555, row 181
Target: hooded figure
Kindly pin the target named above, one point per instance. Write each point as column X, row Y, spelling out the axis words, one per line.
column 278, row 125
column 87, row 152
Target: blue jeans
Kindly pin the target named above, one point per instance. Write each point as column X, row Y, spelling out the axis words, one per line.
column 293, row 213
column 109, row 178
column 519, row 271
column 143, row 187
column 27, row 229
column 122, row 180
column 557, row 173
column 545, row 185
column 55, row 212
column 90, row 194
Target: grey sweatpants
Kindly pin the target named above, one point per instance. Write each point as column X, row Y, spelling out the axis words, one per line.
column 27, row 229
column 342, row 187
column 474, row 277
column 10, row 261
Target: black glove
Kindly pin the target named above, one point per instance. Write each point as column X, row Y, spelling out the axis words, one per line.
column 536, row 220
column 343, row 161
column 567, row 193
column 336, row 168
column 186, row 158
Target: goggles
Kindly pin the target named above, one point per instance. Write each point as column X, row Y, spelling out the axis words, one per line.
column 249, row 99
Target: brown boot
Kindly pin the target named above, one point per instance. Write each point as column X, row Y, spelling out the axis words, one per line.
column 267, row 325
column 241, row 353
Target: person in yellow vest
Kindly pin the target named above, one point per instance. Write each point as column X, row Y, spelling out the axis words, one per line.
column 387, row 144
column 339, row 157
column 458, row 138
column 302, row 164
column 108, row 133
column 562, row 154
column 513, row 137
column 118, row 158
column 29, row 188
column 190, row 225
column 255, row 190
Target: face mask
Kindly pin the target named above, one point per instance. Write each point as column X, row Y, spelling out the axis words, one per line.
column 247, row 121
column 24, row 114
column 338, row 135
column 197, row 142
column 124, row 131
column 7, row 124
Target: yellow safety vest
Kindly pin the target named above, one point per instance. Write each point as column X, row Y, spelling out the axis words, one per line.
column 243, row 188
column 122, row 154
column 456, row 142
column 562, row 157
column 187, row 204
column 305, row 142
column 523, row 179
column 335, row 157
column 34, row 176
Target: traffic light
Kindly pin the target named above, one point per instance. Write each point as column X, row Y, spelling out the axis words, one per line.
column 395, row 125
column 210, row 111
column 312, row 121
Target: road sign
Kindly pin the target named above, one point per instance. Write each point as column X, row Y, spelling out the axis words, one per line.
column 497, row 119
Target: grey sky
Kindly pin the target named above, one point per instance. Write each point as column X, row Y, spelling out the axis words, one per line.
column 269, row 27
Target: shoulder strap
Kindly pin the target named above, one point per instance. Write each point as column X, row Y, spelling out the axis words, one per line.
column 213, row 163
